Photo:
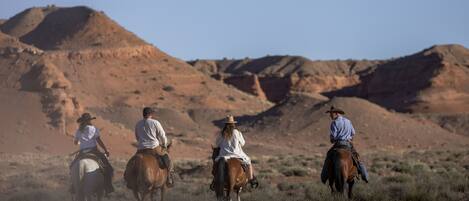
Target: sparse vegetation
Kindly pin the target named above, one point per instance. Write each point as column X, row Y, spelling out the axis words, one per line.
column 426, row 175
column 231, row 98
column 168, row 88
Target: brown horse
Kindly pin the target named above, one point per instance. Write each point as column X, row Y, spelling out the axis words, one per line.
column 145, row 175
column 340, row 170
column 229, row 177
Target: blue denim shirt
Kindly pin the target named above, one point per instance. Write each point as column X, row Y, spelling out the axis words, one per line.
column 341, row 129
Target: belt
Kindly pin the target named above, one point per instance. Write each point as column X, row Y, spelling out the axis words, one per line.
column 86, row 150
column 342, row 143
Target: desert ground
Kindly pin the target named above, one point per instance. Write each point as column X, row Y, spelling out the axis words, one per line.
column 412, row 175
column 411, row 113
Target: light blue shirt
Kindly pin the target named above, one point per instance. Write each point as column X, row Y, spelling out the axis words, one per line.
column 87, row 137
column 342, row 129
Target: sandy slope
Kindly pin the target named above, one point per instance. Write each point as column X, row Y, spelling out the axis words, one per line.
column 113, row 80
column 300, row 122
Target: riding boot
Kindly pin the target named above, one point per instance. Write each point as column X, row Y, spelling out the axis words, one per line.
column 324, row 173
column 252, row 179
column 362, row 171
column 168, row 164
column 108, row 172
column 170, row 181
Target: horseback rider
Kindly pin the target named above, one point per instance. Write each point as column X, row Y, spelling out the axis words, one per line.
column 341, row 134
column 230, row 142
column 88, row 136
column 152, row 139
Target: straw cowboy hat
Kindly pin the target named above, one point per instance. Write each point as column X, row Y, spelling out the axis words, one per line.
column 85, row 117
column 230, row 120
column 335, row 110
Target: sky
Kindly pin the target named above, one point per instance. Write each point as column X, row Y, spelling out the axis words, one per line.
column 327, row 29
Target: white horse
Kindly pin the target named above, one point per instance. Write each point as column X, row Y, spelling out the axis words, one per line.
column 87, row 180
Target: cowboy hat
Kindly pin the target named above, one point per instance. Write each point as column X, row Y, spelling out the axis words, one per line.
column 335, row 110
column 230, row 120
column 85, row 117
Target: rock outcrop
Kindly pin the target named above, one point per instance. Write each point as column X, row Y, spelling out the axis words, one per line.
column 433, row 80
column 280, row 75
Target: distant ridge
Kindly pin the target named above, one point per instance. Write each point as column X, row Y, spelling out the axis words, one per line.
column 433, row 80
column 26, row 21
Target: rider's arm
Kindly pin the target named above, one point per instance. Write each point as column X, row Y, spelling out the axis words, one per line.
column 101, row 143
column 161, row 134
column 353, row 130
column 333, row 133
column 240, row 138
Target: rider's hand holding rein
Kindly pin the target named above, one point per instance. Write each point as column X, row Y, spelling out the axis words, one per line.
column 101, row 144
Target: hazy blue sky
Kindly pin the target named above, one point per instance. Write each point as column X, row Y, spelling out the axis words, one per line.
column 327, row 29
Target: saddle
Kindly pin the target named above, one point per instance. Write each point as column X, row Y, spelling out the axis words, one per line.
column 347, row 146
column 158, row 157
column 88, row 154
column 215, row 153
column 342, row 145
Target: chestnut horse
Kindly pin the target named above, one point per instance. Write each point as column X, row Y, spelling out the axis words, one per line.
column 229, row 177
column 144, row 175
column 341, row 170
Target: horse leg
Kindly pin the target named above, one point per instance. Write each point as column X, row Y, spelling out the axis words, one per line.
column 100, row 192
column 163, row 191
column 80, row 195
column 238, row 196
column 143, row 196
column 228, row 195
column 153, row 196
column 350, row 187
column 231, row 187
column 99, row 195
column 136, row 195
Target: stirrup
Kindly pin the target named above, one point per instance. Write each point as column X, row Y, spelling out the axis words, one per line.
column 254, row 183
column 170, row 180
column 212, row 186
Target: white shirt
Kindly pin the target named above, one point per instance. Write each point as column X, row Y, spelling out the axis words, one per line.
column 232, row 148
column 87, row 137
column 150, row 134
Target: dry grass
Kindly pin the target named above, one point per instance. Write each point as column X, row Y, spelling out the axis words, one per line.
column 423, row 175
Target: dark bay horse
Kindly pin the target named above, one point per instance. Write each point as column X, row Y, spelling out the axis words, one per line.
column 229, row 177
column 341, row 170
column 145, row 175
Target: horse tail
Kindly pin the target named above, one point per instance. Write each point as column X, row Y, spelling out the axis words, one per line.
column 143, row 182
column 339, row 179
column 220, row 179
